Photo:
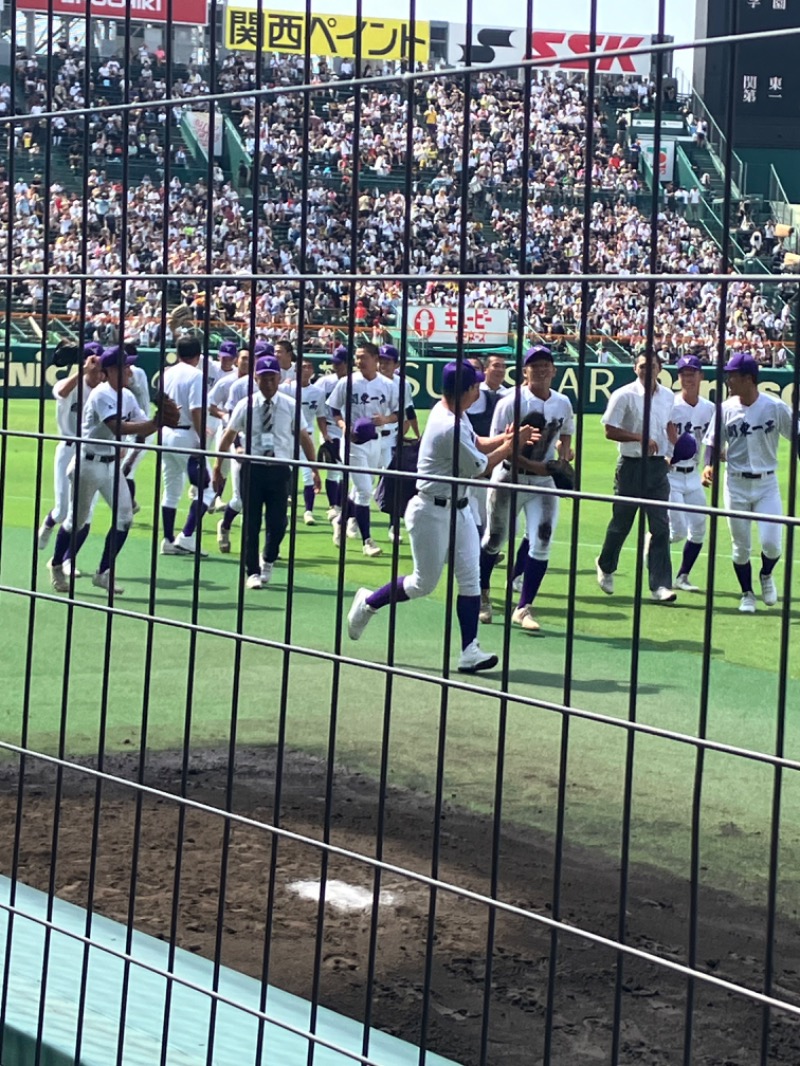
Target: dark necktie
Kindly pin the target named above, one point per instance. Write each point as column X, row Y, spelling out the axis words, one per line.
column 266, row 423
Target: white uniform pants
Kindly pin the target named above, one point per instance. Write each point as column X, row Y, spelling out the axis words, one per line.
column 685, row 525
column 541, row 514
column 429, row 532
column 174, row 468
column 361, row 485
column 64, row 455
column 388, row 445
column 476, row 494
column 761, row 495
column 98, row 478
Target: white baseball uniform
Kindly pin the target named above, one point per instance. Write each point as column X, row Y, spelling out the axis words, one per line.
column 388, row 434
column 312, row 401
column 428, row 514
column 684, row 477
column 99, row 469
column 369, row 398
column 750, row 436
column 183, row 383
column 140, row 387
column 327, row 384
column 218, row 396
column 67, row 421
column 480, row 415
column 541, row 511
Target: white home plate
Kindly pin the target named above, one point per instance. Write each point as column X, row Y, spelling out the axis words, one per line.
column 340, row 895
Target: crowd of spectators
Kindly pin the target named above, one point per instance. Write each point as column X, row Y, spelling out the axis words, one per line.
column 323, row 223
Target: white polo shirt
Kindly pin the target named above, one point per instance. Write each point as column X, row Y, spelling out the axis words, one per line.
column 280, row 441
column 436, row 454
column 103, row 403
column 625, row 410
column 750, row 435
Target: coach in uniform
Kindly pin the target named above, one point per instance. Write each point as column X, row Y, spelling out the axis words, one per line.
column 751, row 424
column 265, row 485
column 691, row 416
column 428, row 516
column 640, row 475
column 375, row 399
column 541, row 510
column 110, row 413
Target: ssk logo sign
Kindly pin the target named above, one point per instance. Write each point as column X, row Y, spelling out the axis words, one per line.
column 567, row 50
column 563, row 47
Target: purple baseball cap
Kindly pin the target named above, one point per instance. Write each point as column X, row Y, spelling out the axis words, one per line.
column 364, row 430
column 93, row 348
column 469, row 376
column 228, row 350
column 689, row 362
column 268, row 364
column 685, row 448
column 388, row 351
column 742, row 363
column 263, row 348
column 538, row 351
column 116, row 356
column 340, row 354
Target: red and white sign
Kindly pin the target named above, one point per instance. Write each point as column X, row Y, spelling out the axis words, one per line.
column 566, row 50
column 481, row 325
column 185, row 12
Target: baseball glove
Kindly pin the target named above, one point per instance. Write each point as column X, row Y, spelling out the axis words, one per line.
column 328, row 452
column 181, row 317
column 66, row 353
column 562, row 473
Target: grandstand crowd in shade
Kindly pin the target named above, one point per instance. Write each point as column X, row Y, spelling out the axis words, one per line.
column 119, row 232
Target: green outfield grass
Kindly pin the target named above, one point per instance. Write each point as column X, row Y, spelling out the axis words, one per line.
column 742, row 708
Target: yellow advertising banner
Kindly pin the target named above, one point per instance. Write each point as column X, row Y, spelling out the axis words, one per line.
column 331, row 35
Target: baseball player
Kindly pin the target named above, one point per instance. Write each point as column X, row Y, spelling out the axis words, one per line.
column 640, row 472
column 140, row 387
column 331, row 434
column 183, row 383
column 110, row 414
column 747, row 440
column 218, row 393
column 480, row 414
column 241, row 388
column 389, row 367
column 375, row 399
column 541, row 511
column 428, row 517
column 65, row 393
column 271, row 415
column 284, row 353
column 312, row 401
column 691, row 416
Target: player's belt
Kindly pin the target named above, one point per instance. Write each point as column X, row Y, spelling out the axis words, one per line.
column 386, row 433
column 92, row 458
column 748, row 476
column 68, row 443
column 684, row 469
column 183, row 427
column 444, row 501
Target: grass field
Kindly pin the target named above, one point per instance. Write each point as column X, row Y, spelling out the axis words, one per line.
column 742, row 709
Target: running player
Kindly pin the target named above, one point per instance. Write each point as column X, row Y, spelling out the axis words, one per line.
column 752, row 423
column 312, row 403
column 375, row 399
column 428, row 517
column 692, row 416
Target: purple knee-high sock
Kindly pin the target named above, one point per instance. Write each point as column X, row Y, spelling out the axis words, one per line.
column 168, row 522
column 382, row 596
column 196, row 512
column 131, row 488
column 114, row 541
column 49, row 521
column 332, row 492
column 468, row 609
column 80, row 540
column 347, row 509
column 523, row 553
column 744, row 573
column 228, row 517
column 362, row 517
column 61, row 546
column 689, row 557
column 767, row 565
column 487, row 566
column 534, row 572
column 308, row 497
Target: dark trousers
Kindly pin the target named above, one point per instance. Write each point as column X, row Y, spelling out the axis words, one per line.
column 266, row 491
column 628, row 482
